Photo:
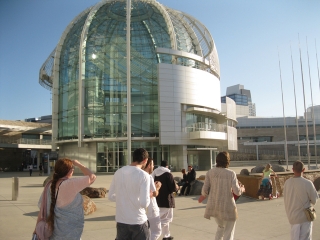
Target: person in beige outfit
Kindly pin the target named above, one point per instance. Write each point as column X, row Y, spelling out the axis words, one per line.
column 222, row 182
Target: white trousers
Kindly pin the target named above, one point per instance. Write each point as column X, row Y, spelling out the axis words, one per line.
column 302, row 231
column 225, row 229
column 155, row 227
column 166, row 216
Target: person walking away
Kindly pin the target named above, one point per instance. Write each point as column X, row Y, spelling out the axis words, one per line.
column 153, row 212
column 130, row 189
column 30, row 169
column 265, row 190
column 298, row 194
column 191, row 176
column 165, row 198
column 64, row 201
column 40, row 169
column 219, row 186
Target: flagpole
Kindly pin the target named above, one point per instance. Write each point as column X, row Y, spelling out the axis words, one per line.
column 312, row 112
column 284, row 118
column 295, row 103
column 315, row 43
column 305, row 110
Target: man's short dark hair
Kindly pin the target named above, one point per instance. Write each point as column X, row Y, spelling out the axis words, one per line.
column 164, row 163
column 139, row 155
column 298, row 166
column 223, row 159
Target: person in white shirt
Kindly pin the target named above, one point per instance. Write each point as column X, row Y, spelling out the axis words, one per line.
column 153, row 212
column 30, row 169
column 299, row 193
column 130, row 189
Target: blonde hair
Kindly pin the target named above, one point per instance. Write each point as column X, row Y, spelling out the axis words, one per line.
column 267, row 167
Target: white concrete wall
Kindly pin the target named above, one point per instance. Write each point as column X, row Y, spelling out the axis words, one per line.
column 86, row 155
column 178, row 157
column 232, row 138
column 183, row 85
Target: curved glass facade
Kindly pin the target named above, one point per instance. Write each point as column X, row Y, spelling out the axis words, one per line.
column 99, row 36
column 68, row 83
column 173, row 61
column 105, row 113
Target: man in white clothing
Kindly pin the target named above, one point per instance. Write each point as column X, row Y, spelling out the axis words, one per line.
column 153, row 212
column 299, row 193
column 130, row 189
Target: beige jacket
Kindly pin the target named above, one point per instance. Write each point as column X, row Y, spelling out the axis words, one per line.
column 218, row 185
column 298, row 193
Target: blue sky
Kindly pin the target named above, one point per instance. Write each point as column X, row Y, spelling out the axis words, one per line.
column 247, row 33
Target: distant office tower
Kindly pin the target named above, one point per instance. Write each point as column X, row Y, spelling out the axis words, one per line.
column 242, row 98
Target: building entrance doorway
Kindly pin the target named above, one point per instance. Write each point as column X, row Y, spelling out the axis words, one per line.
column 202, row 159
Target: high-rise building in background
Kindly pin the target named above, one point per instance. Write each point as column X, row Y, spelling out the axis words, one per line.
column 242, row 98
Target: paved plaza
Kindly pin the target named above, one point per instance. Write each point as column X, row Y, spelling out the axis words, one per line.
column 257, row 219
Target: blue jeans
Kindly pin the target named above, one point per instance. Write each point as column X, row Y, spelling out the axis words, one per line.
column 133, row 232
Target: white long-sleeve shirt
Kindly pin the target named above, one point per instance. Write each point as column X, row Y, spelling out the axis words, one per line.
column 153, row 209
column 130, row 189
column 298, row 193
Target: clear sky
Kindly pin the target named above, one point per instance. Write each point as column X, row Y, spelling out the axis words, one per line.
column 247, row 33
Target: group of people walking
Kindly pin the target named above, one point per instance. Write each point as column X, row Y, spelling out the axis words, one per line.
column 151, row 197
column 145, row 200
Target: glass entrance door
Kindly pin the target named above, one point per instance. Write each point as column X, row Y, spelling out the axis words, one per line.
column 111, row 156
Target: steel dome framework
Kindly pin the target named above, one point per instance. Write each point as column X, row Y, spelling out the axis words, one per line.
column 87, row 70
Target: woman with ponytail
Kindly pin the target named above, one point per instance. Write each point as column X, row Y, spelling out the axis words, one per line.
column 64, row 202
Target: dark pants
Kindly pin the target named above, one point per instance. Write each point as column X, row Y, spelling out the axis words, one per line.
column 186, row 187
column 133, row 232
column 30, row 171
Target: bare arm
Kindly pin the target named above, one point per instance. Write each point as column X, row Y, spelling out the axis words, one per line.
column 158, row 186
column 86, row 171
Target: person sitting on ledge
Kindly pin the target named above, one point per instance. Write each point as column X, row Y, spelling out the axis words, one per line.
column 191, row 176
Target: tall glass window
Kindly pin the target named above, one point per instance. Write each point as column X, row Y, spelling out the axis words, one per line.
column 112, row 155
column 68, row 83
column 106, row 71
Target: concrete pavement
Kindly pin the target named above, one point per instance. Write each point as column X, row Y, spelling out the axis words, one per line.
column 257, row 219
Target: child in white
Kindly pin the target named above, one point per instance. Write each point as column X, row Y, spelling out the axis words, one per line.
column 153, row 209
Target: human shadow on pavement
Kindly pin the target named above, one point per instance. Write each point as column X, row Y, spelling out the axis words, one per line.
column 242, row 199
column 105, row 218
column 31, row 214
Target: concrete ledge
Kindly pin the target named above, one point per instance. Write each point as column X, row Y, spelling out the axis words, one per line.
column 253, row 181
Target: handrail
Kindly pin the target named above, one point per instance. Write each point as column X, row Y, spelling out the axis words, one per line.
column 25, row 141
column 203, row 126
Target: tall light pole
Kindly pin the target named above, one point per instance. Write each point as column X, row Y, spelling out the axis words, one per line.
column 128, row 81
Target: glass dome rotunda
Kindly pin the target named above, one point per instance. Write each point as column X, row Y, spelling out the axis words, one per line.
column 87, row 71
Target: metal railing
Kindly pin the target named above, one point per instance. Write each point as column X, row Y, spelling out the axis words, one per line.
column 25, row 141
column 202, row 126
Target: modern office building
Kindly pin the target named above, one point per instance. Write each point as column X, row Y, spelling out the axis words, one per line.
column 266, row 135
column 141, row 76
column 24, row 143
column 242, row 97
